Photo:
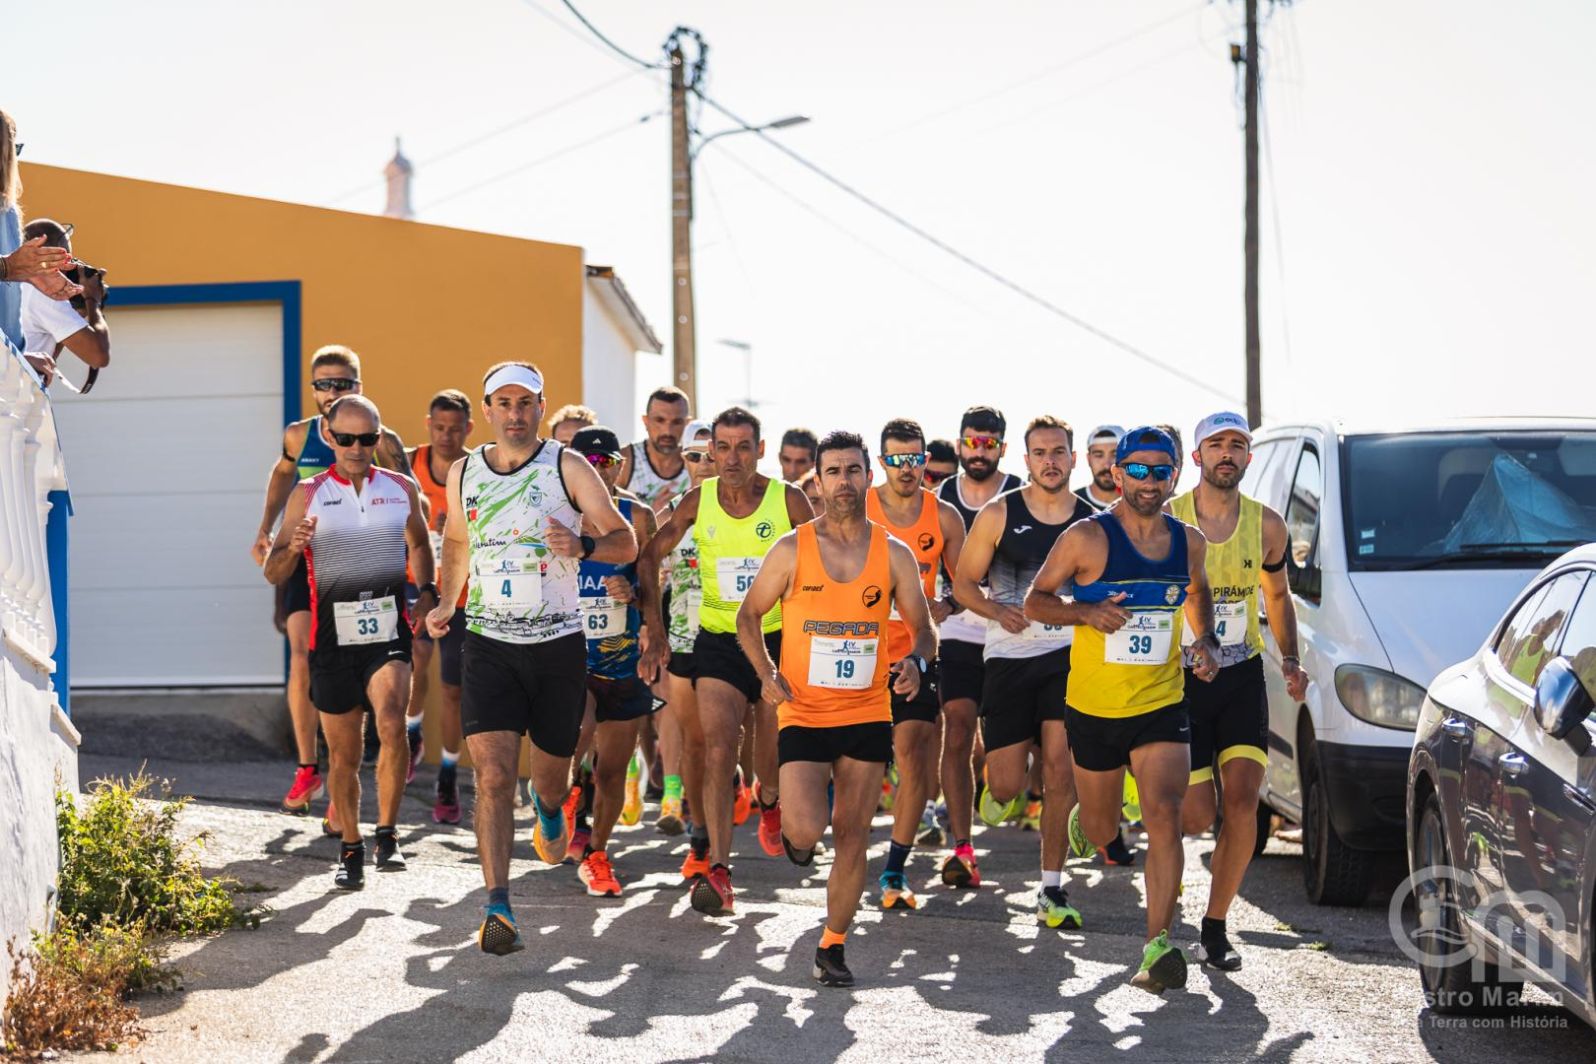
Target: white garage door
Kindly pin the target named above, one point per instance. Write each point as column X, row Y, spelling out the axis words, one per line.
column 167, row 459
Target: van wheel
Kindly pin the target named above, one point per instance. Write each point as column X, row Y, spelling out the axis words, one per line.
column 1449, row 984
column 1333, row 873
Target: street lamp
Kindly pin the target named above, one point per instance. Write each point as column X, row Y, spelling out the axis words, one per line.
column 780, row 123
column 748, row 369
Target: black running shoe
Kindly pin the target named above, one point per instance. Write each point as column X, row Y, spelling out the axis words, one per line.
column 1219, row 954
column 389, row 859
column 801, row 858
column 1117, row 853
column 830, row 968
column 351, row 874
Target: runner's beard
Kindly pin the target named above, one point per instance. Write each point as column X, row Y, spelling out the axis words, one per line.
column 667, row 445
column 845, row 507
column 980, row 472
column 1104, row 479
column 1226, row 477
column 1144, row 506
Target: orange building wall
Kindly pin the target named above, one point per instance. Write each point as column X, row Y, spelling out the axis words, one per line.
column 426, row 307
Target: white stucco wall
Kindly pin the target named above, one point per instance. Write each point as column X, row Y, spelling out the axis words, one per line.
column 609, row 370
column 38, row 752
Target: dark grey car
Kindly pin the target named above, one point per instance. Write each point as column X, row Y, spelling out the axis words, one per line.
column 1502, row 805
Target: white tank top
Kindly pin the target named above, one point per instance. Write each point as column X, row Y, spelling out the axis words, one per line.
column 520, row 591
column 648, row 485
column 356, row 558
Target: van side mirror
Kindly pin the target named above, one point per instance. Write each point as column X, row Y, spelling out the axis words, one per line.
column 1562, row 704
column 1305, row 580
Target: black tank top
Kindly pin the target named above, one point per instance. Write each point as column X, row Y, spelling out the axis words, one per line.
column 1020, row 553
column 949, row 492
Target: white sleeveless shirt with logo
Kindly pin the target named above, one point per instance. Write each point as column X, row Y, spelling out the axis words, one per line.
column 648, row 485
column 520, row 590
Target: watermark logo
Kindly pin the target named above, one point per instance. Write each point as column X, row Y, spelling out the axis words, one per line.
column 1457, row 912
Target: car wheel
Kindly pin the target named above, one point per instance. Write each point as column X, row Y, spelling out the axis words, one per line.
column 1333, row 873
column 1449, row 984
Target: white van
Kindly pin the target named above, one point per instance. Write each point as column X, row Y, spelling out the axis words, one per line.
column 1406, row 544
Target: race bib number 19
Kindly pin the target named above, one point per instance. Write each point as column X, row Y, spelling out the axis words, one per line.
column 842, row 664
column 736, row 576
column 371, row 621
column 1145, row 640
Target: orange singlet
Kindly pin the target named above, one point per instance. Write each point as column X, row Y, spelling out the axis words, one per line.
column 438, row 495
column 832, row 653
column 924, row 537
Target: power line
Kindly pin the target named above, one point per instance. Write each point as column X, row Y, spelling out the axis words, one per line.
column 606, row 135
column 617, row 49
column 941, row 245
column 974, row 264
column 525, row 119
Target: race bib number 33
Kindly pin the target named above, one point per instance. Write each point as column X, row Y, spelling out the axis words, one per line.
column 735, row 576
column 842, row 664
column 1145, row 640
column 371, row 621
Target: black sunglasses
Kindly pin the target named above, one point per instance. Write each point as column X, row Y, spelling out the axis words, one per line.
column 349, row 439
column 334, row 384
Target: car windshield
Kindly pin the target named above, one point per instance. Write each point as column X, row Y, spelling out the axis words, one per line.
column 1468, row 499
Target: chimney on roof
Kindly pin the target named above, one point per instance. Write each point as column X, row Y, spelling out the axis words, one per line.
column 398, row 172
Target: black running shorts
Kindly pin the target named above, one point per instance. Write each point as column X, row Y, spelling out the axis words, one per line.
column 963, row 672
column 1021, row 693
column 717, row 656
column 296, row 592
column 627, row 699
column 449, row 646
column 863, row 742
column 1229, row 717
column 926, row 704
column 1103, row 744
column 681, row 664
column 536, row 689
column 339, row 676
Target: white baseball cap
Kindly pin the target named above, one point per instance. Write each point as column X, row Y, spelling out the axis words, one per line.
column 1224, row 421
column 1105, row 432
column 691, row 433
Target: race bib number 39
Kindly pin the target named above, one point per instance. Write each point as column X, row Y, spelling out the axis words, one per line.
column 736, row 576
column 511, row 583
column 371, row 621
column 603, row 617
column 1145, row 640
column 842, row 664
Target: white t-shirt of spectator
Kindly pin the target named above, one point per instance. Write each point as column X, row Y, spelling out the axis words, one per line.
column 46, row 322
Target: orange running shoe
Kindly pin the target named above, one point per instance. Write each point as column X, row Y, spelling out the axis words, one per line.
column 595, row 872
column 550, row 851
column 308, row 786
column 573, row 804
column 713, row 894
column 742, row 803
column 696, row 864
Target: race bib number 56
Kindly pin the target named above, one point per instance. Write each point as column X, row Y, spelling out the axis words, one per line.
column 736, row 576
column 1145, row 640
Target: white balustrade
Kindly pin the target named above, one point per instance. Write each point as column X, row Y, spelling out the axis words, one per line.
column 30, row 467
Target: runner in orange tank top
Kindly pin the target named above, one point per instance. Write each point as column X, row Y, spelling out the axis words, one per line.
column 837, row 580
column 448, row 426
column 934, row 531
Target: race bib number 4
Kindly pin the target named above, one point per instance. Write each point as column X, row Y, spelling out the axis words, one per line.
column 1230, row 625
column 736, row 576
column 1145, row 640
column 514, row 583
column 603, row 617
column 842, row 664
column 371, row 621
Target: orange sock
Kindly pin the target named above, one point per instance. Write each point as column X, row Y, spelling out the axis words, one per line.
column 829, row 938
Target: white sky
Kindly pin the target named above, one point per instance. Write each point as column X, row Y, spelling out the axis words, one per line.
column 1432, row 164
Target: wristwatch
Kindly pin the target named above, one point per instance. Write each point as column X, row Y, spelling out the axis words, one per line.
column 588, row 546
column 425, row 588
column 920, row 663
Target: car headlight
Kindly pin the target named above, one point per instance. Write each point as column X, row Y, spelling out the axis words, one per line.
column 1379, row 697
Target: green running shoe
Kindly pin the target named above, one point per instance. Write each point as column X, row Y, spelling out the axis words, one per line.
column 1163, row 966
column 1053, row 908
column 1080, row 845
column 994, row 812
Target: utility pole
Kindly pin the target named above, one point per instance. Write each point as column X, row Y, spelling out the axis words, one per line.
column 683, row 345
column 1254, row 346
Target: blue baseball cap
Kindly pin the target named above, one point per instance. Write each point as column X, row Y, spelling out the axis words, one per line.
column 1146, row 438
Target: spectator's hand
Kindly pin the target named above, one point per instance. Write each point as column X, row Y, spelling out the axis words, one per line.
column 33, row 259
column 55, row 285
column 43, row 365
column 94, row 287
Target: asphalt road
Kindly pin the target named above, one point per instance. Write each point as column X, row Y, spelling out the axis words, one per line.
column 392, row 974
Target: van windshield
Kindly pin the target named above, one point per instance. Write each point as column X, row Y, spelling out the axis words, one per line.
column 1468, row 499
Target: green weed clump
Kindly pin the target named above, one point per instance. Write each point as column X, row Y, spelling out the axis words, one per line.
column 128, row 885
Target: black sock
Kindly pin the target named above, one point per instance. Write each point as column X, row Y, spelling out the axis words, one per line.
column 446, row 773
column 387, row 831
column 307, row 764
column 1032, row 796
column 960, row 842
column 1213, row 932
